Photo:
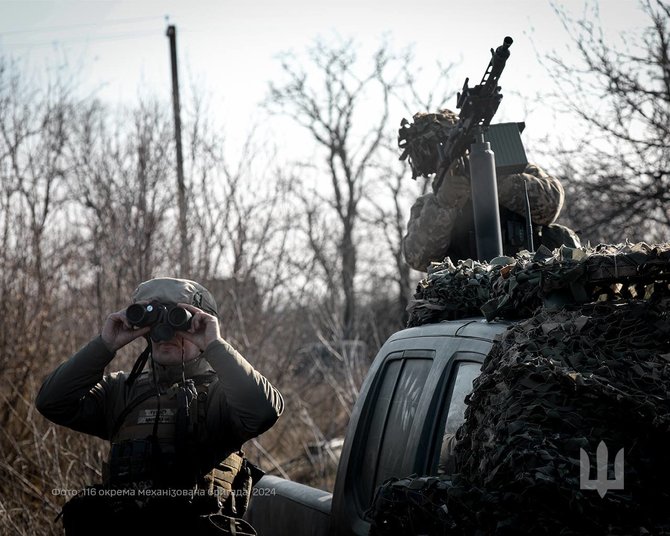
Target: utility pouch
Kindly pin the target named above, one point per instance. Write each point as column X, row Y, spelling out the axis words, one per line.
column 245, row 479
column 219, row 481
column 231, row 482
column 131, row 461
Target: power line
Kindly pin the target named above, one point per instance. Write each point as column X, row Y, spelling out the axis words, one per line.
column 109, row 37
column 83, row 25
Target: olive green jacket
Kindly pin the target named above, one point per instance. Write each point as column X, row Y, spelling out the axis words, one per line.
column 241, row 403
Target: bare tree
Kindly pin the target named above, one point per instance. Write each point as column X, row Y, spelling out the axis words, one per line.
column 121, row 181
column 390, row 218
column 355, row 205
column 386, row 213
column 240, row 223
column 327, row 101
column 34, row 132
column 620, row 93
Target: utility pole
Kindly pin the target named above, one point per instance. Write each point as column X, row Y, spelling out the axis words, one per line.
column 184, row 258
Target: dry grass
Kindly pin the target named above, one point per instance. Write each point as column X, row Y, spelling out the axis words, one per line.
column 37, row 460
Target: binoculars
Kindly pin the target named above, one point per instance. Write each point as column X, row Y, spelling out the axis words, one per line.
column 164, row 319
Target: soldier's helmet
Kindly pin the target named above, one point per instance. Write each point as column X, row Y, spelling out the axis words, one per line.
column 172, row 290
column 421, row 139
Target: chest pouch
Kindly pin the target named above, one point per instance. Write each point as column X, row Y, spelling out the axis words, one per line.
column 132, row 461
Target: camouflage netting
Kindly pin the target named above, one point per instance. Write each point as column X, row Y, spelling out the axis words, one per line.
column 565, row 379
column 515, row 288
column 450, row 292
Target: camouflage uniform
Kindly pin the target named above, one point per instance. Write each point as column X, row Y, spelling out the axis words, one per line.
column 441, row 223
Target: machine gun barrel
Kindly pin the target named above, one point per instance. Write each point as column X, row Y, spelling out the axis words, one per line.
column 477, row 106
column 496, row 66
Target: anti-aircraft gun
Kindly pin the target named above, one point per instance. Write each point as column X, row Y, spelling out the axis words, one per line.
column 472, row 135
column 478, row 105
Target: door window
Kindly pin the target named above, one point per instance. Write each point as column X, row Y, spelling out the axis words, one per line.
column 466, row 372
column 400, row 390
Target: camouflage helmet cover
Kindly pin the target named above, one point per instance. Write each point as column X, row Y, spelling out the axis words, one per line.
column 172, row 290
column 420, row 139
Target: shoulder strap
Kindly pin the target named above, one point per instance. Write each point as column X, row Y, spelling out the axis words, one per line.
column 139, row 365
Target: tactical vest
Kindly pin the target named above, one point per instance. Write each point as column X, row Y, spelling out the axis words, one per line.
column 160, row 442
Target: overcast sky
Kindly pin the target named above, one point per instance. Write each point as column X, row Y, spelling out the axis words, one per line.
column 119, row 49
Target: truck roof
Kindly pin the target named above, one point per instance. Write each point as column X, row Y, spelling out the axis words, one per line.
column 475, row 327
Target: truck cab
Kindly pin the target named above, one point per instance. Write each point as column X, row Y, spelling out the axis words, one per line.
column 413, row 395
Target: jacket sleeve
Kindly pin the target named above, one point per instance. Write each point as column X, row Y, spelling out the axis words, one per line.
column 241, row 396
column 431, row 222
column 545, row 194
column 76, row 395
column 428, row 232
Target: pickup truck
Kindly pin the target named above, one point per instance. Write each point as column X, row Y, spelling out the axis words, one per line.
column 413, row 394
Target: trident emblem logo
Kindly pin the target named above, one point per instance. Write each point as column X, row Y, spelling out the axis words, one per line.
column 601, row 484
